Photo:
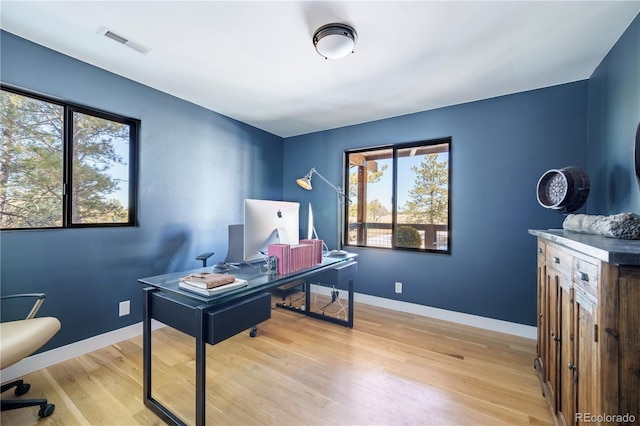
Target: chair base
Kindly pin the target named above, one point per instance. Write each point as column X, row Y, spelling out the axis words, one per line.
column 46, row 409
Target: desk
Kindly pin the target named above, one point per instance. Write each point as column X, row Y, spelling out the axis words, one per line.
column 213, row 319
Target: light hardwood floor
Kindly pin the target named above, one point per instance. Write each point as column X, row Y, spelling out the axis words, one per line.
column 392, row 368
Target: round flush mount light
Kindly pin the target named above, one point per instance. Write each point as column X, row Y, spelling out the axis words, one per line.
column 334, row 41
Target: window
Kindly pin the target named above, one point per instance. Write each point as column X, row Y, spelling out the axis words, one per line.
column 63, row 165
column 400, row 196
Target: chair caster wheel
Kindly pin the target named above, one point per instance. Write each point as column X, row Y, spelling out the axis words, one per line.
column 253, row 332
column 47, row 410
column 22, row 388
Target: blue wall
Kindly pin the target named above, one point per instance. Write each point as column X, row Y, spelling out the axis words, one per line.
column 500, row 148
column 614, row 114
column 195, row 169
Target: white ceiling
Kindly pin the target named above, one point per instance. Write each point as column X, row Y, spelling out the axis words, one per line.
column 254, row 60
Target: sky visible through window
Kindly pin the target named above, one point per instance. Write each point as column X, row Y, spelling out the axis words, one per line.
column 381, row 190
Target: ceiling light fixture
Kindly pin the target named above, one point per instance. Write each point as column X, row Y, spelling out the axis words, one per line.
column 335, row 41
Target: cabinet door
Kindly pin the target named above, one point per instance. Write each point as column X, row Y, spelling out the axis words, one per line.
column 586, row 350
column 551, row 359
column 566, row 363
column 543, row 314
column 630, row 341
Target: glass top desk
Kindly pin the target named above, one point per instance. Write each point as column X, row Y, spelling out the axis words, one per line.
column 213, row 319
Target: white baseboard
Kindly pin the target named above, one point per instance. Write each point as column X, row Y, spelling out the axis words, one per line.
column 64, row 353
column 500, row 326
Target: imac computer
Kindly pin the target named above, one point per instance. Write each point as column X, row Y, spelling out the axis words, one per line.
column 268, row 222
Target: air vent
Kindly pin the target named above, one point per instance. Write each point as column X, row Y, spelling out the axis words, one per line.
column 123, row 40
column 116, row 37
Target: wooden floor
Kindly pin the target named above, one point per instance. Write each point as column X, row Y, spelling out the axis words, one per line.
column 391, row 369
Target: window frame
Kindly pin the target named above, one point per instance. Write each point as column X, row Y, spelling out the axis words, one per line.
column 394, row 207
column 69, row 109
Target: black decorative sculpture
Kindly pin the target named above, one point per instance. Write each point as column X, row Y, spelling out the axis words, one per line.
column 563, row 190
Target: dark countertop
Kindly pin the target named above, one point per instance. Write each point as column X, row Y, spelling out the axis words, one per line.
column 610, row 250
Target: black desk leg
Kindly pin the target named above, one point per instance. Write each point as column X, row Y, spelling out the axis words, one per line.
column 155, row 406
column 307, row 311
column 146, row 344
column 307, row 297
column 350, row 320
column 201, row 358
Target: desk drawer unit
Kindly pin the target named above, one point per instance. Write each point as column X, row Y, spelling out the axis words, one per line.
column 231, row 319
column 222, row 321
column 338, row 275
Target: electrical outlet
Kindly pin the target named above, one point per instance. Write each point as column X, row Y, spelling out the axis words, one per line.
column 398, row 287
column 124, row 308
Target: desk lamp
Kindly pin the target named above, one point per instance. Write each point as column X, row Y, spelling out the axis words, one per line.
column 342, row 199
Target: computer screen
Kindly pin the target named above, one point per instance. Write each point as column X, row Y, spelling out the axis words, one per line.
column 268, row 222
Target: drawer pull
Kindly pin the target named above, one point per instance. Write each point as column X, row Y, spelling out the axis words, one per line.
column 539, row 250
column 583, row 276
column 556, row 259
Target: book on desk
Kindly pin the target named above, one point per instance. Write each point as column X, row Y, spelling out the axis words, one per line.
column 210, row 284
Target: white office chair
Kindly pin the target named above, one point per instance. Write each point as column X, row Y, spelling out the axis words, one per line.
column 18, row 340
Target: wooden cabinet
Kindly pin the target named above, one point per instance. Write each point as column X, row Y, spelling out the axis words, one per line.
column 589, row 327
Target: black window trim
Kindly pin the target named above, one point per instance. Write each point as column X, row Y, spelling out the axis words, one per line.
column 134, row 140
column 395, row 148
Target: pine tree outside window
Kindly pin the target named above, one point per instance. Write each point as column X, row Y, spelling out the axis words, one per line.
column 64, row 165
column 400, row 196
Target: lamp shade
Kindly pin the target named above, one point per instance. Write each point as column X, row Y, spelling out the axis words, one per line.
column 334, row 41
column 305, row 182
